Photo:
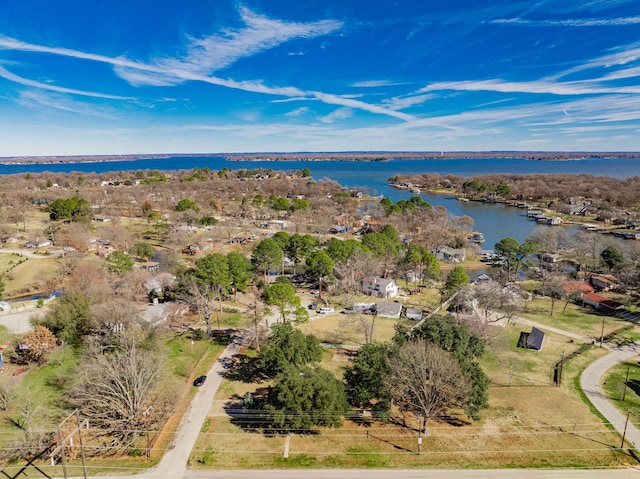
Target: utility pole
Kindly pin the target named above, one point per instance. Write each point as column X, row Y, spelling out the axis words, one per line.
column 560, row 369
column 419, row 433
column 64, row 460
column 626, row 380
column 84, row 466
column 625, row 429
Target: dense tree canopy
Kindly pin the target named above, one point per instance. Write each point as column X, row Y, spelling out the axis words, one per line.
column 456, row 279
column 466, row 347
column 301, row 245
column 343, row 250
column 71, row 209
column 319, row 265
column 283, row 296
column 513, row 254
column 119, row 262
column 213, row 269
column 366, row 377
column 611, row 256
column 143, row 250
column 287, row 346
column 69, row 319
column 239, row 268
column 267, row 256
column 304, row 397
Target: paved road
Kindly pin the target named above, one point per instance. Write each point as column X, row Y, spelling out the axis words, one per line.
column 174, row 463
column 561, row 332
column 590, row 383
column 19, row 323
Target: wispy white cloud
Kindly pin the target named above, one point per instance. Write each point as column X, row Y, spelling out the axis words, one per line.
column 376, row 83
column 400, row 103
column 570, row 22
column 360, row 105
column 337, row 115
column 538, row 86
column 303, row 110
column 207, row 55
column 7, row 75
column 38, row 99
column 624, row 55
column 219, row 51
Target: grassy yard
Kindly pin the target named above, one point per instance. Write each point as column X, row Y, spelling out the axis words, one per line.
column 622, row 384
column 22, row 275
column 576, row 319
column 524, row 427
column 44, row 389
column 530, row 424
column 349, row 329
column 507, row 364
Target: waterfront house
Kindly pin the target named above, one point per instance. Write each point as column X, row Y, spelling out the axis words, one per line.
column 450, row 255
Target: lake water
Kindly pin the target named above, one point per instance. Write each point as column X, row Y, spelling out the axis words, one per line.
column 494, row 221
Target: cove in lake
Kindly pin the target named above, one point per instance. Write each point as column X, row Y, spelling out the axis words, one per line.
column 494, row 221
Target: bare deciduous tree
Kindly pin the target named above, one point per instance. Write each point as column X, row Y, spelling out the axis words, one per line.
column 490, row 301
column 201, row 296
column 425, row 380
column 121, row 395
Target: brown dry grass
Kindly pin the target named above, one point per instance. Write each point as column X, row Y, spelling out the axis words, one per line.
column 537, row 425
column 524, row 427
column 24, row 278
column 346, row 329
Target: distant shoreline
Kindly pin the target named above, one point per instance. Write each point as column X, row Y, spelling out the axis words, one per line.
column 365, row 156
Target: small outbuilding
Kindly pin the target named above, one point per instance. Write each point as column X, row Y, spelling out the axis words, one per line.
column 413, row 314
column 532, row 340
column 389, row 310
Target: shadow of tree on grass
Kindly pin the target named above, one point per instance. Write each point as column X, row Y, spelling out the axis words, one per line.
column 244, row 369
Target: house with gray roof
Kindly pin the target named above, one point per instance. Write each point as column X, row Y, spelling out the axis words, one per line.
column 388, row 309
column 380, row 287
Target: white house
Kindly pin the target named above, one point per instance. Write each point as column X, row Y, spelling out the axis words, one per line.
column 380, row 287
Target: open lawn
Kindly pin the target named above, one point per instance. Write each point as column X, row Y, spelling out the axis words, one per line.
column 505, row 363
column 530, row 424
column 524, row 427
column 349, row 328
column 576, row 319
column 23, row 275
column 622, row 384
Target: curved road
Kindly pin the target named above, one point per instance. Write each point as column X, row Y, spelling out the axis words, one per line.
column 590, row 383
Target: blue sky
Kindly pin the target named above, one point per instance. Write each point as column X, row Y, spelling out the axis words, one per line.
column 117, row 77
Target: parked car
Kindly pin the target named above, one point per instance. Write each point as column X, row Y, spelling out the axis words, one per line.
column 199, row 380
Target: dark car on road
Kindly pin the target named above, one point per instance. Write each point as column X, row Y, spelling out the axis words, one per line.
column 199, row 380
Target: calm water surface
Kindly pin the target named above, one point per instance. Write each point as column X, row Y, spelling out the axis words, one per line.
column 495, row 221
